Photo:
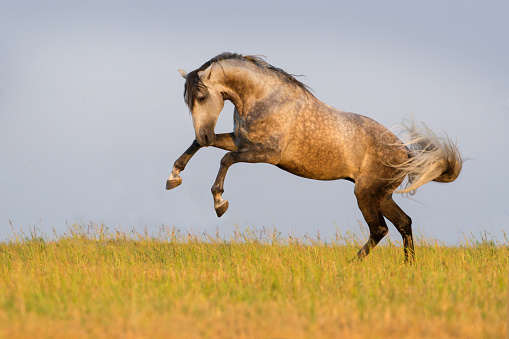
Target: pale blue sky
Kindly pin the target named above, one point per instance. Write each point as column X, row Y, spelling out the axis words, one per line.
column 92, row 115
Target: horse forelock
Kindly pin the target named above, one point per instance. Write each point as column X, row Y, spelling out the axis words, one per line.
column 189, row 87
column 194, row 83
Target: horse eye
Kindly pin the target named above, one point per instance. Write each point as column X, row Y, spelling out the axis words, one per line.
column 201, row 97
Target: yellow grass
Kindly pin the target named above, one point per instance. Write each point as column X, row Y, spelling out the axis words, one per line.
column 90, row 283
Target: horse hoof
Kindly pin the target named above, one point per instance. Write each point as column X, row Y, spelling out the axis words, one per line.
column 221, row 207
column 173, row 182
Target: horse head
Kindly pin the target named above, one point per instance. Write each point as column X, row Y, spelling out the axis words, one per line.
column 203, row 97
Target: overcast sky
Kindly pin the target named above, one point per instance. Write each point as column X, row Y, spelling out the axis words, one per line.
column 92, row 115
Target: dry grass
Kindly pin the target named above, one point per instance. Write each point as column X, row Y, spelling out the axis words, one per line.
column 91, row 283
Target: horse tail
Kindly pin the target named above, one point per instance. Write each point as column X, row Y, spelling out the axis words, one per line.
column 431, row 158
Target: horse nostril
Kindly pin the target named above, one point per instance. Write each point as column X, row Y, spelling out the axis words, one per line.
column 205, row 139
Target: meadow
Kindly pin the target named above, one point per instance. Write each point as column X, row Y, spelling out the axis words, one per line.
column 90, row 282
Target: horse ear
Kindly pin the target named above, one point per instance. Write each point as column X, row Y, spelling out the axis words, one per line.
column 207, row 72
column 183, row 73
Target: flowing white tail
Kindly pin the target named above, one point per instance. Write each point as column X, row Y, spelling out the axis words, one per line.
column 432, row 158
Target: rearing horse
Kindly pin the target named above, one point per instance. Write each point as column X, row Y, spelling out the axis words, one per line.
column 278, row 121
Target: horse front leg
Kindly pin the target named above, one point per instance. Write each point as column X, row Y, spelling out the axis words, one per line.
column 175, row 180
column 245, row 155
column 224, row 141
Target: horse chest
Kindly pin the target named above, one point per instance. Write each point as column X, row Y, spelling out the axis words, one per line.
column 248, row 132
column 239, row 129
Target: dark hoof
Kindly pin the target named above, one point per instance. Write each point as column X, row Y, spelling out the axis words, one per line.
column 221, row 207
column 173, row 182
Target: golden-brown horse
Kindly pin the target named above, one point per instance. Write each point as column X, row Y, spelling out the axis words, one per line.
column 278, row 121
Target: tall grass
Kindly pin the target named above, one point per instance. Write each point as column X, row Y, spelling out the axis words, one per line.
column 92, row 282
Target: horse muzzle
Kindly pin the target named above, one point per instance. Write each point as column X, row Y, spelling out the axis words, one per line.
column 206, row 139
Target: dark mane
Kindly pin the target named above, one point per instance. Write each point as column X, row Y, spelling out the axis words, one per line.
column 194, row 84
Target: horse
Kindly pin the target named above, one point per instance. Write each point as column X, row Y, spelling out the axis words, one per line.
column 277, row 120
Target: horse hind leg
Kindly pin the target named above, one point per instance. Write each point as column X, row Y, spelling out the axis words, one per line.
column 369, row 200
column 403, row 224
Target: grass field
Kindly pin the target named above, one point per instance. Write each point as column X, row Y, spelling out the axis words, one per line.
column 91, row 283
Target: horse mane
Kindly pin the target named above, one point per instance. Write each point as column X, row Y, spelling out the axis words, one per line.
column 193, row 82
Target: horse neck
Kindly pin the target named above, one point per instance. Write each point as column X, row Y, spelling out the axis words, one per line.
column 245, row 85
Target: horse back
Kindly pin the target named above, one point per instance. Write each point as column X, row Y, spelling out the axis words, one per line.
column 329, row 144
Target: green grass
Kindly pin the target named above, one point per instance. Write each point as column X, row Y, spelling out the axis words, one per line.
column 256, row 284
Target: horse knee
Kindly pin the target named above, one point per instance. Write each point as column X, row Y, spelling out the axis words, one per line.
column 226, row 161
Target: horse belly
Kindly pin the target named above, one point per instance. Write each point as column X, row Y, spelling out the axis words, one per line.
column 326, row 145
column 326, row 162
